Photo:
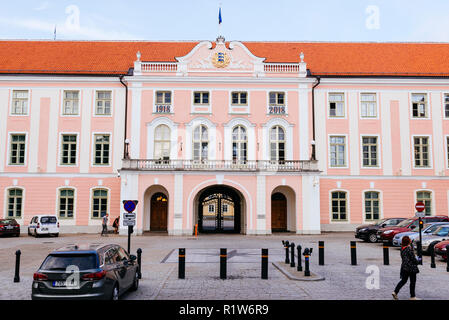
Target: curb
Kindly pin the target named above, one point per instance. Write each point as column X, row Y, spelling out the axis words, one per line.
column 313, row 277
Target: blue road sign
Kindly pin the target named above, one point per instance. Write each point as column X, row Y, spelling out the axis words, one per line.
column 129, row 205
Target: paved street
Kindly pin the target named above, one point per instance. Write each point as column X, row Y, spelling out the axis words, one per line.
column 160, row 274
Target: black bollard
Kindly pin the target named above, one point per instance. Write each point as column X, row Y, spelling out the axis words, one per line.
column 16, row 276
column 287, row 246
column 264, row 263
column 386, row 256
column 432, row 256
column 299, row 258
column 307, row 253
column 419, row 246
column 182, row 263
column 447, row 258
column 353, row 253
column 139, row 262
column 321, row 253
column 223, row 257
column 292, row 259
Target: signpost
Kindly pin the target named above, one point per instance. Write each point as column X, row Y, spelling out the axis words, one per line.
column 420, row 207
column 129, row 218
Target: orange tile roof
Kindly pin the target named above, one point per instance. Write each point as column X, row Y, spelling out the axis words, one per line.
column 323, row 58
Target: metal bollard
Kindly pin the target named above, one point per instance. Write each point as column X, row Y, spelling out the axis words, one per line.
column 321, row 253
column 353, row 253
column 419, row 246
column 182, row 263
column 292, row 259
column 299, row 258
column 16, row 276
column 447, row 258
column 307, row 253
column 286, row 246
column 432, row 256
column 264, row 263
column 139, row 262
column 223, row 257
column 386, row 255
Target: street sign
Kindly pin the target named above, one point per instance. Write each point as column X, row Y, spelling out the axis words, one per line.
column 130, row 205
column 129, row 222
column 420, row 206
column 127, row 215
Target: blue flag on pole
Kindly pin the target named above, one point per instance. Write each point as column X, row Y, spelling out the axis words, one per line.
column 219, row 17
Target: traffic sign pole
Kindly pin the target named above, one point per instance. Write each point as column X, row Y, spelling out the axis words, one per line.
column 420, row 206
column 129, row 218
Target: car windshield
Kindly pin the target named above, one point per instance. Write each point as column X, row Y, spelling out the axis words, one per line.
column 432, row 228
column 7, row 221
column 48, row 220
column 63, row 261
column 405, row 223
column 441, row 231
column 381, row 222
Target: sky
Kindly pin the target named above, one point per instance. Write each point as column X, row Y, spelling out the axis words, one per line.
column 244, row 20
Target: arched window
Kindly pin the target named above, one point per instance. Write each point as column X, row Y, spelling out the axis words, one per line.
column 239, row 144
column 426, row 198
column 15, row 200
column 162, row 142
column 372, row 205
column 200, row 143
column 339, row 206
column 66, row 203
column 277, row 144
column 99, row 202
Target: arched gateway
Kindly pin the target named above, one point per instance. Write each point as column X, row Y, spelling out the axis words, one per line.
column 219, row 210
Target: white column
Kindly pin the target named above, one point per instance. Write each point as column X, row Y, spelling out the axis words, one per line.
column 130, row 191
column 178, row 202
column 135, row 120
column 261, row 196
column 53, row 132
column 310, row 205
column 385, row 115
column 438, row 144
column 404, row 125
column 321, row 142
column 85, row 134
column 303, row 107
column 353, row 136
column 33, row 137
column 4, row 96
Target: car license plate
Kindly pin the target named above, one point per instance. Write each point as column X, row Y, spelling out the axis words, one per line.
column 63, row 284
column 9, row 227
column 44, row 229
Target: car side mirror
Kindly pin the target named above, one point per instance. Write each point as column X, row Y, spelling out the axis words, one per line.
column 412, row 227
column 132, row 257
column 383, row 225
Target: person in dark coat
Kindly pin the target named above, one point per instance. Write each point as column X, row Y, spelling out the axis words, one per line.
column 409, row 268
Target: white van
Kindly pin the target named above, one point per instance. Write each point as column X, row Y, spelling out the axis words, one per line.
column 44, row 224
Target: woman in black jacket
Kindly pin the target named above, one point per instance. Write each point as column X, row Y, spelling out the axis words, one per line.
column 409, row 268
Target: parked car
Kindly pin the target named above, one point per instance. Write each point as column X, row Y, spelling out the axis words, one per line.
column 105, row 272
column 387, row 234
column 427, row 229
column 440, row 249
column 441, row 234
column 9, row 227
column 367, row 232
column 44, row 225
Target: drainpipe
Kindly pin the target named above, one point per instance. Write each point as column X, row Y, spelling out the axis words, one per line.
column 125, row 145
column 313, row 156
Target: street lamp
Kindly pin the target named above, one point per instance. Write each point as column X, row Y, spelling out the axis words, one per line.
column 127, row 149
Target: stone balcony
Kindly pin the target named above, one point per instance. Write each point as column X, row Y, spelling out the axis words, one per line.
column 221, row 165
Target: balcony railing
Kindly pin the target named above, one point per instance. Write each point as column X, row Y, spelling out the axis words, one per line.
column 281, row 67
column 220, row 165
column 159, row 67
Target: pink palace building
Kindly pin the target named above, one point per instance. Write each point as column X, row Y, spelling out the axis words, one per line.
column 239, row 137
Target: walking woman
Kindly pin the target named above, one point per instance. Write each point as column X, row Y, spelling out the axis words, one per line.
column 409, row 268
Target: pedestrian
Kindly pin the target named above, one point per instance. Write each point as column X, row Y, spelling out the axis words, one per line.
column 104, row 231
column 409, row 268
column 116, row 224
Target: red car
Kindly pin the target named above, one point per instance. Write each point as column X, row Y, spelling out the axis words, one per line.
column 387, row 234
column 9, row 227
column 440, row 249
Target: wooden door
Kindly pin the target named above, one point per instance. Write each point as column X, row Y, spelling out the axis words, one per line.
column 159, row 212
column 278, row 212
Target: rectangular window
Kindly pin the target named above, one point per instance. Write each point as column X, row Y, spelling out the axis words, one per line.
column 19, row 102
column 277, row 99
column 421, row 150
column 71, row 103
column 339, row 206
column 15, row 203
column 99, row 203
column 372, row 206
column 446, row 105
column 368, row 105
column 17, row 149
column 211, row 208
column 163, row 102
column 337, row 146
column 103, row 103
column 240, row 98
column 102, row 144
column 426, row 198
column 66, row 201
column 369, row 151
column 419, row 105
column 201, row 98
column 68, row 149
column 225, row 208
column 336, row 105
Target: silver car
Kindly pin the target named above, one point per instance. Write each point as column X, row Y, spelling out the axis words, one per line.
column 440, row 234
column 428, row 228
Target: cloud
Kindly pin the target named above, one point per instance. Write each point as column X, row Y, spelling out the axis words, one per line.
column 42, row 6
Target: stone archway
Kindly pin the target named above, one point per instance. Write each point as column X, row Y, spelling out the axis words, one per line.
column 156, row 200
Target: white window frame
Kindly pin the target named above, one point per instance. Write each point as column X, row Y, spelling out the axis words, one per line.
column 380, row 205
column 8, row 162
column 233, row 106
column 432, row 200
column 172, row 96
column 94, row 149
column 6, row 202
column 59, row 202
column 444, row 105
column 376, row 102
column 346, row 165
column 201, row 141
column 161, row 141
column 92, row 191
column 95, row 114
column 379, row 158
column 60, row 164
column 80, row 99
column 427, row 110
column 348, row 216
column 277, row 143
column 28, row 103
column 430, row 159
column 285, row 105
column 329, row 105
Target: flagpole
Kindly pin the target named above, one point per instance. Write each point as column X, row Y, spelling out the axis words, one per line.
column 219, row 19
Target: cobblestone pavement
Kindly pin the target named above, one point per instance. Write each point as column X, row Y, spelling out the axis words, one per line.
column 160, row 274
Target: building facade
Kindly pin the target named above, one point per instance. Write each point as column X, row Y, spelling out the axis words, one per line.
column 251, row 138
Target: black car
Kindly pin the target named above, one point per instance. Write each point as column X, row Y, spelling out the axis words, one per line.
column 9, row 227
column 95, row 271
column 367, row 232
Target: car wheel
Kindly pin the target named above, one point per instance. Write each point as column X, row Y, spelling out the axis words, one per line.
column 36, row 235
column 135, row 285
column 56, row 235
column 372, row 238
column 115, row 293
